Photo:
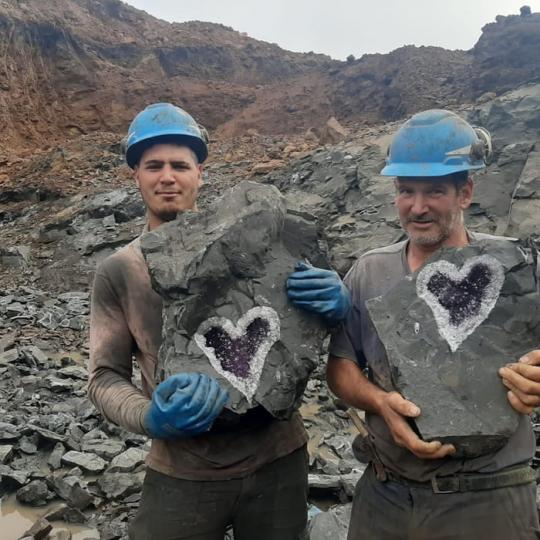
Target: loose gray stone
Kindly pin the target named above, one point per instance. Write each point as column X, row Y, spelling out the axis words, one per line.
column 107, row 449
column 453, row 377
column 6, row 452
column 87, row 462
column 12, row 478
column 35, row 493
column 63, row 512
column 331, row 525
column 128, row 461
column 120, row 485
column 55, row 458
column 222, row 276
column 17, row 256
column 56, row 384
column 7, row 357
column 7, row 342
column 73, row 491
column 325, row 482
column 349, row 481
column 28, row 445
column 46, row 434
column 60, row 534
column 39, row 530
column 36, row 353
column 9, row 432
column 73, row 372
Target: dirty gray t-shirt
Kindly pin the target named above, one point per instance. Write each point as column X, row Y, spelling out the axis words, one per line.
column 125, row 324
column 374, row 274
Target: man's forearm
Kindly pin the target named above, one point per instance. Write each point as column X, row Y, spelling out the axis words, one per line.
column 118, row 400
column 348, row 382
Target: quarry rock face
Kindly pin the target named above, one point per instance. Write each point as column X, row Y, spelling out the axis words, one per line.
column 222, row 275
column 506, row 55
column 449, row 328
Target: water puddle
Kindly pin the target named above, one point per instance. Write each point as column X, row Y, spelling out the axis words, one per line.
column 15, row 519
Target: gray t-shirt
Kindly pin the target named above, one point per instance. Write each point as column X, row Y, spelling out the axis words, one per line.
column 374, row 274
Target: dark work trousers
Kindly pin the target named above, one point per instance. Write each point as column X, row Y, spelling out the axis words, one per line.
column 270, row 504
column 394, row 511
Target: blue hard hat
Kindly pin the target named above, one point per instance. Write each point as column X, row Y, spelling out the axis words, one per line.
column 163, row 123
column 437, row 143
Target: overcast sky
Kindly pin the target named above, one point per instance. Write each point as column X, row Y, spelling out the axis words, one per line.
column 342, row 27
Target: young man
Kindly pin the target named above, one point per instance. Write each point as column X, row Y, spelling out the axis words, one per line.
column 431, row 156
column 203, row 474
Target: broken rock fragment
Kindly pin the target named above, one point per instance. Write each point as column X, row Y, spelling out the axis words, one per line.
column 449, row 328
column 222, row 277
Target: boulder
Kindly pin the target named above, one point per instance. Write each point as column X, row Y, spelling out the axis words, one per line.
column 332, row 132
column 222, row 277
column 449, row 328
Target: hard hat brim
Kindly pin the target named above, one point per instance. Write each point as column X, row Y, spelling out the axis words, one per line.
column 134, row 152
column 426, row 169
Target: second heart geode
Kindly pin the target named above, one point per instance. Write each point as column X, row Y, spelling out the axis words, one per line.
column 449, row 328
column 460, row 298
column 221, row 274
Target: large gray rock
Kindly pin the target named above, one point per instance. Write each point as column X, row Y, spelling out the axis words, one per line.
column 332, row 524
column 39, row 530
column 35, row 493
column 222, row 276
column 6, row 452
column 73, row 490
column 128, row 461
column 90, row 463
column 106, row 449
column 525, row 207
column 449, row 328
column 512, row 117
column 120, row 485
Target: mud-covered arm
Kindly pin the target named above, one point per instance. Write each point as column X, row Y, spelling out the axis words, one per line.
column 111, row 361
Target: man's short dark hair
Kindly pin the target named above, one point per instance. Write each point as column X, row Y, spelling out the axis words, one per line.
column 459, row 179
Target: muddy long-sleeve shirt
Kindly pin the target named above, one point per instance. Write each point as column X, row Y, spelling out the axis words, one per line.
column 125, row 325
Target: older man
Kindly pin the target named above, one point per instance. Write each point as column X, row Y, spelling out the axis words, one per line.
column 431, row 157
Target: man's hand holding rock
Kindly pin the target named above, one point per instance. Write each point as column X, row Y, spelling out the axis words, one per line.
column 395, row 410
column 522, row 379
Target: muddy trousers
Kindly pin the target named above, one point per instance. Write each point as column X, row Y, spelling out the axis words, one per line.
column 270, row 504
column 395, row 511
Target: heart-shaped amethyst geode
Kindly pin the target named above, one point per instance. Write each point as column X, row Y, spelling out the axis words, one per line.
column 238, row 352
column 461, row 299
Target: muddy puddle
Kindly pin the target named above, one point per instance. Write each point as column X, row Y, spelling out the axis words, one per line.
column 15, row 519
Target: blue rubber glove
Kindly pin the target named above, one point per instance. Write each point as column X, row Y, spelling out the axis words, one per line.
column 183, row 405
column 319, row 291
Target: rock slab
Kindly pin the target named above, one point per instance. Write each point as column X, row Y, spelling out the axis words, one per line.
column 222, row 274
column 447, row 330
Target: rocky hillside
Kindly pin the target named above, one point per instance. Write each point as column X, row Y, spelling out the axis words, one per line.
column 82, row 66
column 86, row 65
column 54, row 446
column 507, row 54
